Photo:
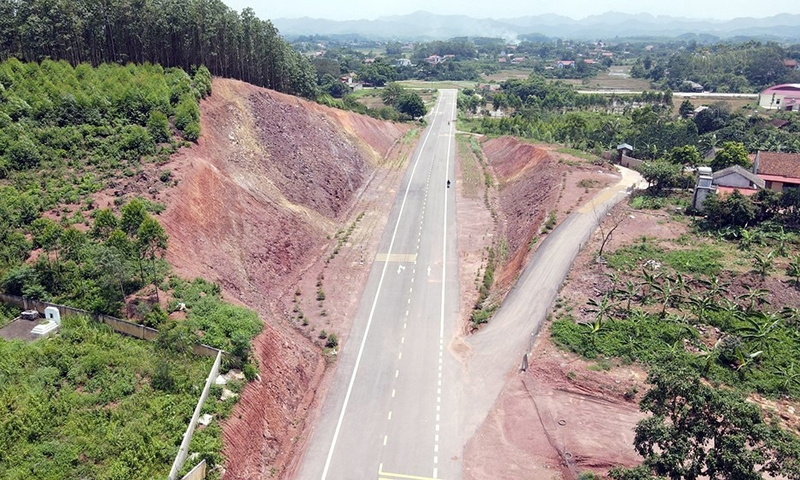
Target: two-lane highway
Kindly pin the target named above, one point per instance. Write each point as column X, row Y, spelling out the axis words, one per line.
column 393, row 409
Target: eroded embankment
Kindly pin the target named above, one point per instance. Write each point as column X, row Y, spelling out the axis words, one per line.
column 271, row 177
column 529, row 181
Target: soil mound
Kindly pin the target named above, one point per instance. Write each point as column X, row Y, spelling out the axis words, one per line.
column 529, row 180
column 271, row 178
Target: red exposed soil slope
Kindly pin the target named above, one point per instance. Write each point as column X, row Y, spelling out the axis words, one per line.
column 271, row 177
column 529, row 181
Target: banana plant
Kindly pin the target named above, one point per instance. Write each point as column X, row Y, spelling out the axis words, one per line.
column 758, row 329
column 755, row 297
column 793, row 270
column 629, row 292
column 709, row 355
column 764, row 264
column 701, row 305
column 746, row 360
column 789, row 375
column 648, row 283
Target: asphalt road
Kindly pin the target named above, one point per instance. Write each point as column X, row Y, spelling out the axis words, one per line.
column 676, row 94
column 393, row 411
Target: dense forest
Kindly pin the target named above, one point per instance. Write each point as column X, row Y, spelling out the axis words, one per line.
column 172, row 33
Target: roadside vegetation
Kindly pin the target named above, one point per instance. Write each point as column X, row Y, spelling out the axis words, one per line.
column 91, row 403
column 67, row 133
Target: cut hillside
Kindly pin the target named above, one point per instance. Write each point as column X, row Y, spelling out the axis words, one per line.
column 529, row 181
column 271, row 179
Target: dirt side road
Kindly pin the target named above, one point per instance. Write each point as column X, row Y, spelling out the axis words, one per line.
column 493, row 351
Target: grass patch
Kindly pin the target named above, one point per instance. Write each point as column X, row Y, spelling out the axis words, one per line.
column 704, row 259
column 471, row 172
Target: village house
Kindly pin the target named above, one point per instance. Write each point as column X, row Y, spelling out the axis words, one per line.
column 780, row 171
column 736, row 177
column 791, row 64
column 402, row 62
column 565, row 63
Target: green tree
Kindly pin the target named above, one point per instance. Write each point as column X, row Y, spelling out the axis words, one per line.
column 133, row 214
column 105, row 222
column 660, row 175
column 391, row 93
column 151, row 243
column 731, row 153
column 411, row 104
column 735, row 210
column 686, row 108
column 696, row 431
column 686, row 155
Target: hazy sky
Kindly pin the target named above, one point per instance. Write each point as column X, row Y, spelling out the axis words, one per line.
column 577, row 9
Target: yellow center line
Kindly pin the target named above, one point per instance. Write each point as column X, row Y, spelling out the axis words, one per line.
column 394, row 476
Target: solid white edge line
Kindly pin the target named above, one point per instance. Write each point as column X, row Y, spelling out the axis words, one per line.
column 374, row 305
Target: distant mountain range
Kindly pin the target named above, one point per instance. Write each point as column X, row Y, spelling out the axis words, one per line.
column 429, row 26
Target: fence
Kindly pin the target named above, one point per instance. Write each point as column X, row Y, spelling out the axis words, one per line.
column 183, row 451
column 116, row 324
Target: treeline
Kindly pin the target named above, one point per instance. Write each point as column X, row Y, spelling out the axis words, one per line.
column 172, row 33
column 745, row 67
column 555, row 112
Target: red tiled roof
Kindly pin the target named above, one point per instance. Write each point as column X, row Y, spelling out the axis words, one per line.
column 783, row 164
column 778, row 178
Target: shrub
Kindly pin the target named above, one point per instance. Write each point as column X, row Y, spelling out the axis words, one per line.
column 250, row 372
column 158, row 127
column 192, row 131
column 333, row 341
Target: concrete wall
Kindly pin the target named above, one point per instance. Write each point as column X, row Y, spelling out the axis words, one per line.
column 183, row 450
column 630, row 162
column 197, row 473
column 116, row 324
